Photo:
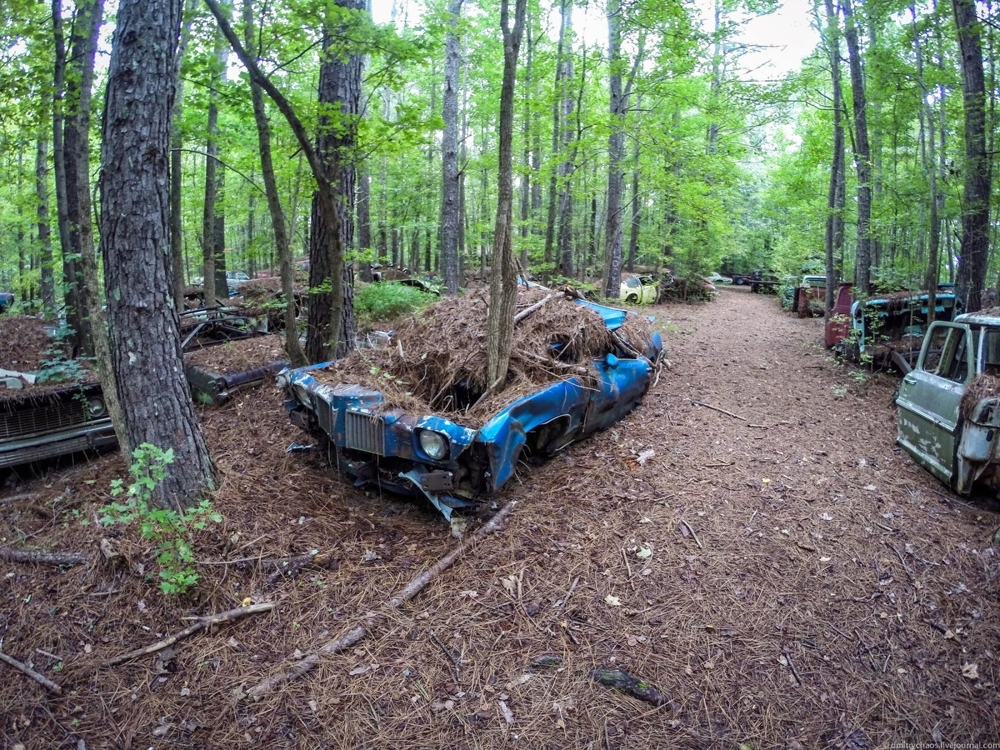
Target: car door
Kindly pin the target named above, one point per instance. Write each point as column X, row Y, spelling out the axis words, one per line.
column 928, row 401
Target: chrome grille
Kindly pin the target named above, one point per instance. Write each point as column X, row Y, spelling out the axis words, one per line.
column 327, row 416
column 364, row 433
column 43, row 418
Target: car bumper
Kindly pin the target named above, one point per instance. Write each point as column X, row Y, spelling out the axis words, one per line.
column 42, row 447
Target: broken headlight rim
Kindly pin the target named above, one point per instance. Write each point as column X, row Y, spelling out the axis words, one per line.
column 95, row 408
column 303, row 395
column 433, row 444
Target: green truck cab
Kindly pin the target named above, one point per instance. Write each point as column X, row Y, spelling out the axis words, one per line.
column 948, row 416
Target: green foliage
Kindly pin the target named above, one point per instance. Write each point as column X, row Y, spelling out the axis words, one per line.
column 386, row 300
column 169, row 529
column 57, row 366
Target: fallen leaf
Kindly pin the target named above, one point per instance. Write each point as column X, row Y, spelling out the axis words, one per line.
column 825, row 517
column 970, row 671
column 613, row 601
column 470, row 594
column 645, row 455
column 644, row 552
column 765, row 480
column 508, row 715
column 361, row 669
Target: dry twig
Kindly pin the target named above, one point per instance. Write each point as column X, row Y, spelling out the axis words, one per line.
column 447, row 653
column 45, row 558
column 202, row 624
column 691, row 529
column 41, row 679
column 414, row 587
column 721, row 411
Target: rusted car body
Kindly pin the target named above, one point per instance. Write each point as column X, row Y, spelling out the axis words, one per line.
column 40, row 422
column 948, row 415
column 810, row 296
column 887, row 328
column 452, row 465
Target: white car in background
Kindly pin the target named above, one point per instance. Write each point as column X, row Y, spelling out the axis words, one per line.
column 718, row 278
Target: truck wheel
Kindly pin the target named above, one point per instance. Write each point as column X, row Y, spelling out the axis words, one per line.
column 631, row 299
column 739, row 282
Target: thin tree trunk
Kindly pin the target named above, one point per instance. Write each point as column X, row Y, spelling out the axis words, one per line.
column 58, row 151
column 292, row 347
column 564, row 245
column 449, row 148
column 48, row 282
column 209, row 284
column 862, row 155
column 835, row 207
column 176, row 142
column 503, row 282
column 565, row 29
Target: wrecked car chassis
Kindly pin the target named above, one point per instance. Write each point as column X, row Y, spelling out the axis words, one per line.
column 451, row 465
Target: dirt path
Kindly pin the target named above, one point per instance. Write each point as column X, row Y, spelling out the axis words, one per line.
column 787, row 581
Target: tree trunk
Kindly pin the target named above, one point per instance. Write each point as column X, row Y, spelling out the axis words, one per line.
column 862, row 155
column 219, row 237
column 449, row 148
column 975, row 200
column 564, row 244
column 555, row 197
column 176, row 142
column 48, row 282
column 58, row 151
column 633, row 240
column 835, row 196
column 292, row 347
column 503, row 281
column 145, row 343
column 339, row 87
column 213, row 293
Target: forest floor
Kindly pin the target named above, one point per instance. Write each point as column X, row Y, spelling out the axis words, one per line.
column 782, row 574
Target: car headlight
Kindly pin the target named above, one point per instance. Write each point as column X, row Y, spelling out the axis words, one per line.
column 304, row 397
column 434, row 444
column 95, row 407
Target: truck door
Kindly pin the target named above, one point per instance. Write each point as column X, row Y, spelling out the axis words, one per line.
column 927, row 417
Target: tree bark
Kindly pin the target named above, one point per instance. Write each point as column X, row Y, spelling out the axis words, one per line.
column 58, row 151
column 340, row 105
column 636, row 222
column 564, row 243
column 565, row 28
column 48, row 282
column 145, row 343
column 176, row 142
column 449, row 147
column 976, row 196
column 835, row 196
column 209, row 213
column 292, row 347
column 862, row 155
column 503, row 281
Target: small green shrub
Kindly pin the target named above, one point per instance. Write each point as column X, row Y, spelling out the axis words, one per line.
column 386, row 300
column 168, row 528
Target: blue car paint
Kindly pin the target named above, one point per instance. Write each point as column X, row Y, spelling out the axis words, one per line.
column 480, row 461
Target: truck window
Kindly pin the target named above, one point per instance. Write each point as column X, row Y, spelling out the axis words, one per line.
column 945, row 355
column 991, row 351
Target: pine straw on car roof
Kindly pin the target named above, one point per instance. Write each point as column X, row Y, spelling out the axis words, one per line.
column 239, row 354
column 437, row 360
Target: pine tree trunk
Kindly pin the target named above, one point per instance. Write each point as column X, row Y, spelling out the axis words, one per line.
column 176, row 181
column 211, row 192
column 835, row 213
column 564, row 244
column 976, row 196
column 503, row 281
column 48, row 282
column 449, row 147
column 862, row 155
column 143, row 324
column 633, row 240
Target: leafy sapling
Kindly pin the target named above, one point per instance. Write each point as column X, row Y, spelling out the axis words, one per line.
column 169, row 529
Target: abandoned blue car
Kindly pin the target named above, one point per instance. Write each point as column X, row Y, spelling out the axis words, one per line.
column 437, row 453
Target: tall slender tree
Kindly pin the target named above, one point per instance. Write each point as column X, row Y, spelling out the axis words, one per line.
column 449, row 148
column 862, row 153
column 503, row 281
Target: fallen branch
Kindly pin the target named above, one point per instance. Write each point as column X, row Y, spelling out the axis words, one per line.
column 528, row 310
column 691, row 529
column 46, row 558
column 721, row 411
column 451, row 657
column 791, row 665
column 909, row 573
column 41, row 679
column 414, row 587
column 202, row 624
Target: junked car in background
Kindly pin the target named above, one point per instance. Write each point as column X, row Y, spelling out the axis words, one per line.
column 441, row 448
column 639, row 289
column 948, row 416
column 885, row 328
